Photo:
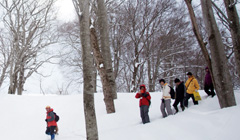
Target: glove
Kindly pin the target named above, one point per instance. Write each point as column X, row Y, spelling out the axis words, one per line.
column 163, row 100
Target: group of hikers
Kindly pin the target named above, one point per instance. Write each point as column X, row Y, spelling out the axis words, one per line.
column 183, row 92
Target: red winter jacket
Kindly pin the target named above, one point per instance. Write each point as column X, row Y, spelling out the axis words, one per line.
column 51, row 118
column 145, row 97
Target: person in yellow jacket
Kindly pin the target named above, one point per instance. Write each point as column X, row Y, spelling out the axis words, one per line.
column 191, row 86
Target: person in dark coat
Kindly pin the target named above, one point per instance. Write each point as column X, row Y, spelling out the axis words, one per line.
column 180, row 91
column 144, row 103
column 208, row 85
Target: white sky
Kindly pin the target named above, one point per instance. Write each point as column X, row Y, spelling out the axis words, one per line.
column 66, row 10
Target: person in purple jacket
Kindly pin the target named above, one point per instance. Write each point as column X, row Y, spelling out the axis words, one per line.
column 208, row 85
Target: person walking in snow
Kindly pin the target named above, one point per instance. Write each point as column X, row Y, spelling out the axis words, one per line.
column 208, row 85
column 180, row 91
column 51, row 123
column 144, row 103
column 191, row 86
column 166, row 99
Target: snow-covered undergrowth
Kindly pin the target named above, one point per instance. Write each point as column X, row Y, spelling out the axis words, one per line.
column 22, row 118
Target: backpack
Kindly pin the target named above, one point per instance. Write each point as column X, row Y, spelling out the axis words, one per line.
column 149, row 102
column 172, row 93
column 56, row 117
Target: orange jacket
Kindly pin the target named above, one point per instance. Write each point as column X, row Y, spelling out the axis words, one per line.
column 51, row 118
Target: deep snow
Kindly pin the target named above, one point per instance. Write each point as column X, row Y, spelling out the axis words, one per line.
column 22, row 118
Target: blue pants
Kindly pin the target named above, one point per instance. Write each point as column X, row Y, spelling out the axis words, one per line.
column 50, row 131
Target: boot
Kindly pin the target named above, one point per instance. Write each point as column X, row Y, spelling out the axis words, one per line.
column 183, row 108
column 176, row 108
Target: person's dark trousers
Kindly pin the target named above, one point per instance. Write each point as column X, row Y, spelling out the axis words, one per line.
column 187, row 98
column 177, row 101
column 144, row 114
column 211, row 88
column 50, row 131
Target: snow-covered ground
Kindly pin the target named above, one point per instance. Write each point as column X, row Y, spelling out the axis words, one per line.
column 22, row 118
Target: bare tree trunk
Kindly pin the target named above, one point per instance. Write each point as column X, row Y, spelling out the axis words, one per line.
column 117, row 52
column 221, row 74
column 135, row 69
column 4, row 72
column 21, row 80
column 108, row 99
column 235, row 30
column 105, row 47
column 198, row 35
column 3, row 75
column 150, row 78
column 82, row 9
column 13, row 81
column 5, row 52
column 95, row 80
column 10, row 79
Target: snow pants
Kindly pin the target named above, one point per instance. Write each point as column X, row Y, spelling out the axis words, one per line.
column 144, row 114
column 166, row 104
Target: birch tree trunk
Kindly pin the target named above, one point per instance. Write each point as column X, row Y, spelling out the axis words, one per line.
column 82, row 9
column 105, row 47
column 235, row 30
column 221, row 74
column 103, row 73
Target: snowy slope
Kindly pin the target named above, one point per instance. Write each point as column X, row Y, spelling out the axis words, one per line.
column 22, row 118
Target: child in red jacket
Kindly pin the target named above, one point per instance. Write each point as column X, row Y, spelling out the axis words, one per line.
column 144, row 103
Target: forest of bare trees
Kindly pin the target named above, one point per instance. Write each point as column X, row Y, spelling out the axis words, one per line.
column 140, row 41
column 28, row 31
column 148, row 39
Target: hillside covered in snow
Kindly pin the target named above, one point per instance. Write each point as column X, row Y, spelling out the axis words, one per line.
column 22, row 118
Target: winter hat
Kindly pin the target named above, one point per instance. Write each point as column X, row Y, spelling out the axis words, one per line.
column 206, row 68
column 142, row 86
column 48, row 107
column 189, row 73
